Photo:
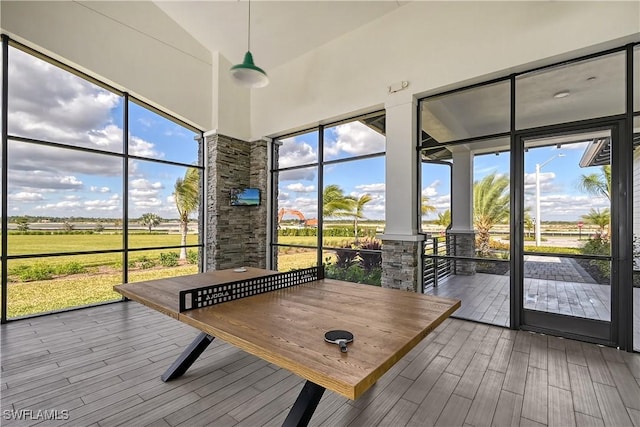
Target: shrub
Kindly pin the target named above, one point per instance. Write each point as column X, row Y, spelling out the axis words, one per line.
column 73, row 267
column 143, row 262
column 192, row 257
column 597, row 245
column 345, row 256
column 169, row 259
column 37, row 271
column 371, row 260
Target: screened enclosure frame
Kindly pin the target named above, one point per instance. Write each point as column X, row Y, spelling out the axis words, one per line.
column 124, row 156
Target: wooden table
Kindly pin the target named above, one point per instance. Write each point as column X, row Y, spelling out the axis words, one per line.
column 286, row 327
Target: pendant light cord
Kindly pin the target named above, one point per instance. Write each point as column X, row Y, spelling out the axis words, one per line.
column 249, row 29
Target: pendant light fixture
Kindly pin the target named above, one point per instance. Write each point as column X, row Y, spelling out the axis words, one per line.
column 248, row 74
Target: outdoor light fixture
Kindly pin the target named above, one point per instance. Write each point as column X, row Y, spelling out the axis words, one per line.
column 248, row 74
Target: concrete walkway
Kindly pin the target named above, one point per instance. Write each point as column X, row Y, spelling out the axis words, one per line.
column 555, row 268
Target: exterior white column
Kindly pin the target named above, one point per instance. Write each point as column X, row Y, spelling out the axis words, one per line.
column 401, row 243
column 401, row 171
column 462, row 191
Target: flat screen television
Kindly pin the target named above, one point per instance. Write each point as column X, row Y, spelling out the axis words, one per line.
column 245, row 197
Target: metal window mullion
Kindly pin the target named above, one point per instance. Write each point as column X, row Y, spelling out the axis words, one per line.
column 125, row 190
column 202, row 228
column 516, row 223
column 320, row 228
column 5, row 163
column 624, row 155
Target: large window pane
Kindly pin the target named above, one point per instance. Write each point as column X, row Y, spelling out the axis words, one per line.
column 466, row 114
column 62, row 200
column 567, row 188
column 298, row 150
column 156, row 216
column 353, row 212
column 466, row 208
column 56, row 283
column 298, row 206
column 154, row 136
column 570, row 92
column 51, row 104
column 356, row 138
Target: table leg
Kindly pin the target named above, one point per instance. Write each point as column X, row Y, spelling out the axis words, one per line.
column 305, row 405
column 188, row 356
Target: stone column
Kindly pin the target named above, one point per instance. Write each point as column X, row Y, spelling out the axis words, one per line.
column 236, row 235
column 401, row 265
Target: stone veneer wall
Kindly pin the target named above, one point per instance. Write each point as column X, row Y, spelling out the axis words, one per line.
column 236, row 235
column 400, row 261
column 464, row 244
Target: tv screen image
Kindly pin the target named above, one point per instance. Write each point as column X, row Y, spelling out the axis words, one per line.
column 245, row 197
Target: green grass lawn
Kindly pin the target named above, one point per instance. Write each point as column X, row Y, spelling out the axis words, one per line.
column 39, row 285
column 78, row 289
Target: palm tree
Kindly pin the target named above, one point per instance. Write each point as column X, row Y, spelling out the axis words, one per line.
column 601, row 219
column 187, row 196
column 490, row 206
column 425, row 207
column 529, row 223
column 597, row 184
column 357, row 212
column 149, row 220
column 444, row 218
column 335, row 203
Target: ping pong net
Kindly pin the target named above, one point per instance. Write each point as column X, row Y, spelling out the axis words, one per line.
column 206, row 296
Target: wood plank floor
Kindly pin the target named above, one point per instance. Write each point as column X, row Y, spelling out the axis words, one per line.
column 101, row 367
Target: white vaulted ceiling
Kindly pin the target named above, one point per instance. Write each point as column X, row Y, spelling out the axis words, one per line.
column 280, row 30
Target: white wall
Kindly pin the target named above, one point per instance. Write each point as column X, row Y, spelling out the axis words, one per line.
column 433, row 45
column 231, row 103
column 134, row 46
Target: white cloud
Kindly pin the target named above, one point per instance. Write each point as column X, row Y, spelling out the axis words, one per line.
column 293, row 153
column 145, row 184
column 24, row 196
column 142, row 148
column 110, row 204
column 354, row 139
column 304, row 174
column 300, row 188
column 371, row 188
column 96, row 189
column 546, row 182
column 62, row 205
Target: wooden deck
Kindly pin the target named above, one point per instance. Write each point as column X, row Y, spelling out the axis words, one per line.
column 485, row 298
column 103, row 364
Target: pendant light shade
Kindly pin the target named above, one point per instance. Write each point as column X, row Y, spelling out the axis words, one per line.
column 248, row 74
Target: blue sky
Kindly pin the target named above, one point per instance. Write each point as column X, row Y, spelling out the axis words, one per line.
column 50, row 104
